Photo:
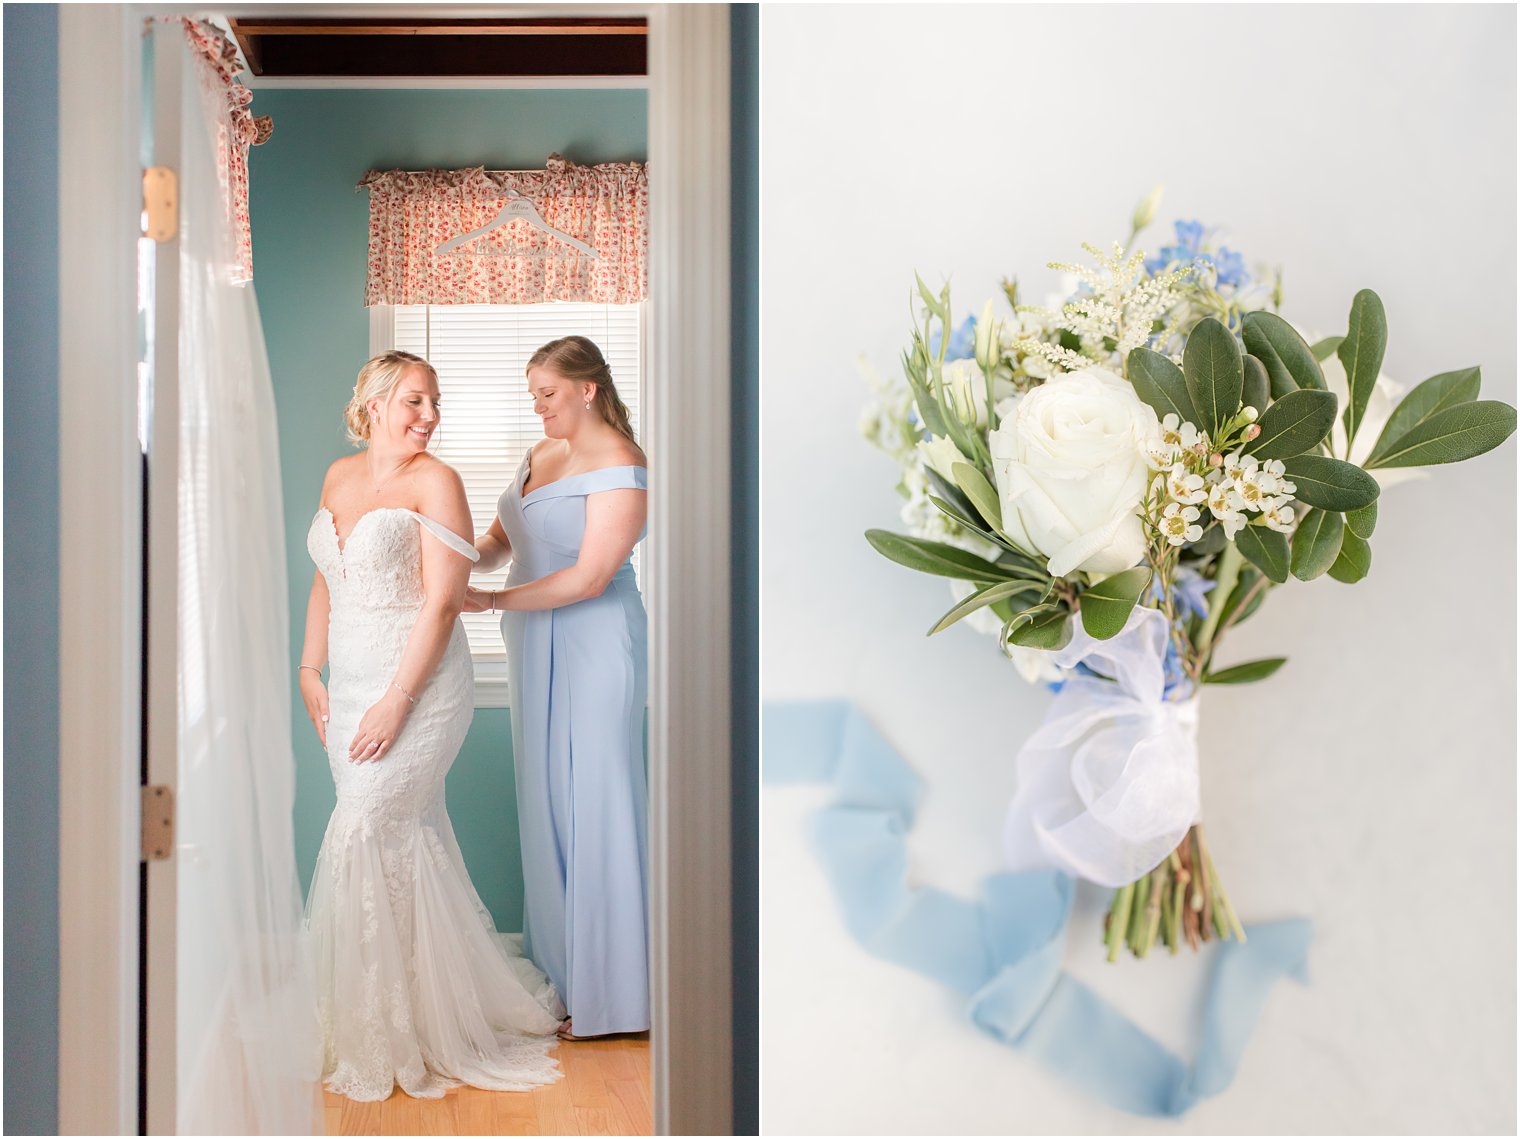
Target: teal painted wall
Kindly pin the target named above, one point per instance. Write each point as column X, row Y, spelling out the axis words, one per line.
column 310, row 232
column 31, row 568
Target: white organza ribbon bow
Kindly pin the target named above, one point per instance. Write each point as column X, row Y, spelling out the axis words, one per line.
column 1108, row 784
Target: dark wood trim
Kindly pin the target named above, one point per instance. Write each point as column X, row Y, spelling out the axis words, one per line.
column 440, row 30
column 544, row 47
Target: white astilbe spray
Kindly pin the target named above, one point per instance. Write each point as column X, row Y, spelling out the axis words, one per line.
column 1123, row 306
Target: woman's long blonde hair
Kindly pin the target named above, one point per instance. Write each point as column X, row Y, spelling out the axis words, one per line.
column 579, row 360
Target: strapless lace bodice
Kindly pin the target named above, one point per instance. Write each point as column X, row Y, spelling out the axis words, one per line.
column 380, row 566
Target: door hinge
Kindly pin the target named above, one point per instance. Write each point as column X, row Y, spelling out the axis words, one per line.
column 157, row 823
column 160, row 203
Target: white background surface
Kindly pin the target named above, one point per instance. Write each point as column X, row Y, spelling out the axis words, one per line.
column 1371, row 783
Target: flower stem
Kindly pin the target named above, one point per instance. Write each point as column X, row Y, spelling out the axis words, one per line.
column 1180, row 877
column 1226, row 574
column 1181, row 900
column 1226, row 912
column 1158, row 891
column 1118, row 919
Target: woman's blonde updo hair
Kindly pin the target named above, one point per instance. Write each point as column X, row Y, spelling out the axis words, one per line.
column 579, row 360
column 377, row 380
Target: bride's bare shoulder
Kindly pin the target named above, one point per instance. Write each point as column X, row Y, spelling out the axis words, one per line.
column 434, row 480
column 340, row 473
column 439, row 493
column 432, row 472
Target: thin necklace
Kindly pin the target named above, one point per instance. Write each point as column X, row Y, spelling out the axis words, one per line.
column 394, row 471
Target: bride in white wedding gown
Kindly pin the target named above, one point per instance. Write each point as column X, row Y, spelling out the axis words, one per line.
column 414, row 985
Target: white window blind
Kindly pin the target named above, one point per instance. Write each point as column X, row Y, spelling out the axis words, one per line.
column 481, row 353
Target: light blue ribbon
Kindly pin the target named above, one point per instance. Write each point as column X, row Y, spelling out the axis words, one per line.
column 1004, row 951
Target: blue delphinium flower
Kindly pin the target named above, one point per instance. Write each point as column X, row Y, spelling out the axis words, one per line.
column 1189, row 234
column 1191, row 589
column 1190, row 592
column 1231, row 268
column 1189, row 238
column 962, row 344
column 1171, row 667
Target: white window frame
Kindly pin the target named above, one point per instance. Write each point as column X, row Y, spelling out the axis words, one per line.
column 491, row 687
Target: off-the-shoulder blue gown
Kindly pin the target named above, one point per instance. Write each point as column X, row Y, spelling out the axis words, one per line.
column 578, row 677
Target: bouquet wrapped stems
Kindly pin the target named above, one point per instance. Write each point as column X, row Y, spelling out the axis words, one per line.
column 1181, row 900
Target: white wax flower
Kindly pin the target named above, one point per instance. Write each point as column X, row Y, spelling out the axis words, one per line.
column 1225, row 505
column 1175, row 438
column 1184, row 487
column 1071, row 470
column 1177, row 524
column 1279, row 515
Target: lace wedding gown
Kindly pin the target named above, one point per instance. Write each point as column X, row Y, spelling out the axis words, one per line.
column 414, row 985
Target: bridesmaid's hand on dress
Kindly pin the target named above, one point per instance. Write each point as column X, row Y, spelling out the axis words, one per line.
column 380, row 726
column 314, row 693
column 477, row 600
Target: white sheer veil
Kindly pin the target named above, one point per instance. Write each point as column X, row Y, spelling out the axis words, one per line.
column 249, row 1059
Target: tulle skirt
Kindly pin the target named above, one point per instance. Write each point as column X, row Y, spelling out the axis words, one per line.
column 415, row 986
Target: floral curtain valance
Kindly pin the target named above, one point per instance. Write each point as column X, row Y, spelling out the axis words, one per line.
column 412, row 212
column 236, row 131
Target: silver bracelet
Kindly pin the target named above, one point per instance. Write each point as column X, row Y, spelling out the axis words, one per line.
column 314, row 668
column 493, row 601
column 412, row 699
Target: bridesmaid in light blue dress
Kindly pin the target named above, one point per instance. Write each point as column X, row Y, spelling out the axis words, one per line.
column 576, row 636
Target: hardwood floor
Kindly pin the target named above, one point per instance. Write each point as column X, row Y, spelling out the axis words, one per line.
column 604, row 1091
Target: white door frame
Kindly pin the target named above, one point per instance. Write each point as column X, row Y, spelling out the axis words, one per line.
column 100, row 574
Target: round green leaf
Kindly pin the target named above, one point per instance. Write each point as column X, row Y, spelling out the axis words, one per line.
column 1362, row 522
column 1160, row 383
column 1429, row 398
column 1214, row 372
column 1294, row 424
column 1256, row 390
column 1046, row 628
column 1105, row 607
column 1361, row 354
column 1330, row 484
column 1290, row 363
column 1355, row 559
column 1316, row 544
column 1452, row 435
column 1265, row 549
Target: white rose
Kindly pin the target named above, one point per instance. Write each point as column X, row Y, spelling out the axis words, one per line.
column 1071, row 470
column 1385, row 397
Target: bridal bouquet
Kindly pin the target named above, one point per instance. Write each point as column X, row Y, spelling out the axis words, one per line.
column 1113, row 484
